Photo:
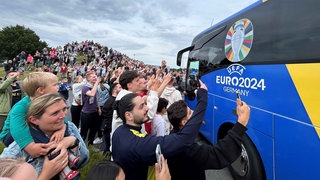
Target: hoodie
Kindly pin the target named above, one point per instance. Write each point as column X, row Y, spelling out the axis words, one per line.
column 171, row 94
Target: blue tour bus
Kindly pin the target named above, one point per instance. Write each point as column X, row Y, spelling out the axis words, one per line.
column 270, row 53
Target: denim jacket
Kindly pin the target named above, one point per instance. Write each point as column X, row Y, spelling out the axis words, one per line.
column 14, row 151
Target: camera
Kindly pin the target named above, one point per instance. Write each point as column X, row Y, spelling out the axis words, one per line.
column 73, row 161
column 67, row 173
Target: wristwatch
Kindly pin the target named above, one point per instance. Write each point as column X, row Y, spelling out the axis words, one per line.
column 76, row 143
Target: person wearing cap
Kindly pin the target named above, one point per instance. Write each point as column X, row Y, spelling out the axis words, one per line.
column 6, row 95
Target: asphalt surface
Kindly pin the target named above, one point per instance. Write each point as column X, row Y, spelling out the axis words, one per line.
column 222, row 174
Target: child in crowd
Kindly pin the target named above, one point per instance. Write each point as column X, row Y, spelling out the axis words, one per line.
column 15, row 128
column 64, row 88
column 159, row 127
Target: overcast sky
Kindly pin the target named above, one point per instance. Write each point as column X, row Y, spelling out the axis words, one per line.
column 148, row 30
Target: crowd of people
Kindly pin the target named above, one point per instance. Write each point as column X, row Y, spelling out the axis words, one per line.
column 129, row 106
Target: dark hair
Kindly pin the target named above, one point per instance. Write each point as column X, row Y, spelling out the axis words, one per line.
column 104, row 170
column 112, row 80
column 127, row 77
column 172, row 80
column 124, row 105
column 7, row 74
column 162, row 104
column 148, row 74
column 112, row 87
column 176, row 112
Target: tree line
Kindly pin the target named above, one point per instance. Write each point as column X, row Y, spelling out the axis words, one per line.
column 14, row 39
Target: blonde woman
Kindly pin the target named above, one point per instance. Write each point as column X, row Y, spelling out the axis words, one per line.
column 45, row 116
column 15, row 127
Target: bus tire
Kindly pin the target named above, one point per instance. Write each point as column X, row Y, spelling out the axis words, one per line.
column 249, row 165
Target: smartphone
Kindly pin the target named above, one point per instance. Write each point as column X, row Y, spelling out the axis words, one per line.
column 166, row 70
column 238, row 95
column 158, row 156
column 193, row 78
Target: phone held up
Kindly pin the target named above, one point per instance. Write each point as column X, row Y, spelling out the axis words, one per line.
column 192, row 80
column 158, row 156
column 238, row 96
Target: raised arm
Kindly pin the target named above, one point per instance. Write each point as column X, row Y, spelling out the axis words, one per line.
column 176, row 142
column 94, row 89
column 227, row 149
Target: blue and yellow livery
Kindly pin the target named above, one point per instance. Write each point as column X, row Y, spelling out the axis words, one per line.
column 273, row 60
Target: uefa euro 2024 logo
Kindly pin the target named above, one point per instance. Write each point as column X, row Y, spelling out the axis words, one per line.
column 239, row 40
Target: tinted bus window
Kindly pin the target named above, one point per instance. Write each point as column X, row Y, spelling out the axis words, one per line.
column 283, row 33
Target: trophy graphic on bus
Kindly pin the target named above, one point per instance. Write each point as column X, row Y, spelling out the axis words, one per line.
column 239, row 40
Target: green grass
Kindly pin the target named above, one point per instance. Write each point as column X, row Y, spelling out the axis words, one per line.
column 1, row 147
column 2, row 73
column 21, row 76
column 95, row 157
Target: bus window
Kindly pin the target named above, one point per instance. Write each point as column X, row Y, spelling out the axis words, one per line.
column 193, row 76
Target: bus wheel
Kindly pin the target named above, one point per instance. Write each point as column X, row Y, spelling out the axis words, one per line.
column 248, row 165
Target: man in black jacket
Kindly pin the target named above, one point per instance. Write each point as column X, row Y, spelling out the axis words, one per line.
column 193, row 161
column 107, row 113
column 135, row 151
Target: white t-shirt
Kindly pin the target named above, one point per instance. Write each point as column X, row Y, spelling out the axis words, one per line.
column 159, row 126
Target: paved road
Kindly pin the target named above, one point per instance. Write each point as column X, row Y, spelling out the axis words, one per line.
column 222, row 174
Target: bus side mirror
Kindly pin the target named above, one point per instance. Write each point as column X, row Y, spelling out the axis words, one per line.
column 179, row 55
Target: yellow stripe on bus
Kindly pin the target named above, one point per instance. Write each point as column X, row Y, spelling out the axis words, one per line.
column 306, row 78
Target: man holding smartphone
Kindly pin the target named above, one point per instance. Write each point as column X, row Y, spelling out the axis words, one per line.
column 192, row 162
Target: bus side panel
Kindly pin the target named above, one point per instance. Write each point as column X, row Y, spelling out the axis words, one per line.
column 207, row 129
column 225, row 112
column 266, row 87
column 297, row 150
column 263, row 141
column 279, row 96
column 264, row 145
